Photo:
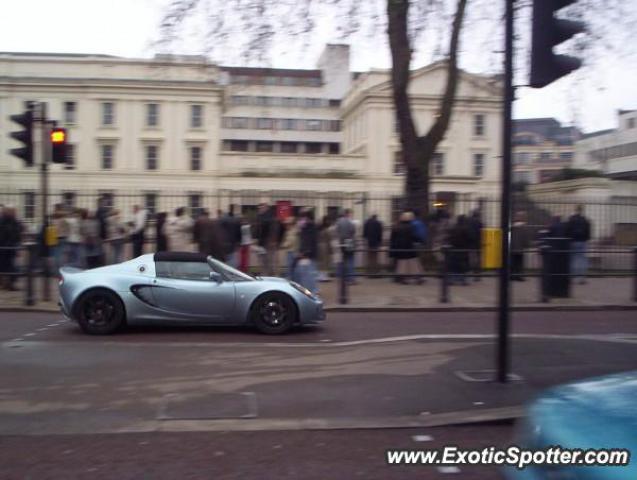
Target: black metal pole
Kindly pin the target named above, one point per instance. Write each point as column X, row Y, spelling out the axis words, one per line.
column 505, row 201
column 635, row 274
column 44, row 188
column 444, row 275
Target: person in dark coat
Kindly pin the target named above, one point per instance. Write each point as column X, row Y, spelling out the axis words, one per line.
column 10, row 237
column 521, row 238
column 209, row 237
column 578, row 229
column 475, row 226
column 231, row 229
column 460, row 240
column 305, row 269
column 403, row 242
column 373, row 234
column 268, row 233
column 556, row 227
column 161, row 239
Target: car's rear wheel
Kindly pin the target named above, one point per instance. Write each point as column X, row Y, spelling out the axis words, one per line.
column 274, row 313
column 100, row 312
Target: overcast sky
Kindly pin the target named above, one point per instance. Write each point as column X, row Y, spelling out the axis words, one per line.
column 589, row 98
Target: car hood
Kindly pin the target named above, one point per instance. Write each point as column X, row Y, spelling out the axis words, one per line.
column 274, row 279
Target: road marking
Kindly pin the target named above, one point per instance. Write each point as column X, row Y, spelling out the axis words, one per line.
column 422, row 438
column 30, row 334
column 448, row 469
column 42, row 329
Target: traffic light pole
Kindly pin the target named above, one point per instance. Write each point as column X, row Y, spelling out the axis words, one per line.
column 44, row 191
column 505, row 202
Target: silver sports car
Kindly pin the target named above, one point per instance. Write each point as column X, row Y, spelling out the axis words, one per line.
column 182, row 288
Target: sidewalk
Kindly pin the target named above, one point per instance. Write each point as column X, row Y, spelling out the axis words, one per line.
column 382, row 293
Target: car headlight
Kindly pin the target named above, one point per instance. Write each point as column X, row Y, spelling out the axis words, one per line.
column 302, row 289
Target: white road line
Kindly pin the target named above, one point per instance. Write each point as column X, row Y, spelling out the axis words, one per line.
column 354, row 343
column 422, row 438
column 448, row 469
column 29, row 334
column 42, row 329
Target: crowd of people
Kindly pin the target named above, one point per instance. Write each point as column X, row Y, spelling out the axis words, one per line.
column 309, row 251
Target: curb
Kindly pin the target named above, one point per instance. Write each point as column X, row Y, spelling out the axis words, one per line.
column 407, row 309
column 466, row 417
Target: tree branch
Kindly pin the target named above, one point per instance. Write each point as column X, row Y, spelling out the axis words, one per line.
column 437, row 131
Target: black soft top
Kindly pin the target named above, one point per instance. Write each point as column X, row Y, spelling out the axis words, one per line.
column 180, row 257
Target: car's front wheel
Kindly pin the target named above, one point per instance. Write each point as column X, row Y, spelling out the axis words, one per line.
column 100, row 312
column 274, row 313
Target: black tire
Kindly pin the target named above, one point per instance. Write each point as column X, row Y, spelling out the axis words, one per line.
column 274, row 313
column 100, row 312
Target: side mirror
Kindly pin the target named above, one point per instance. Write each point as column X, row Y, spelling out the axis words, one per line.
column 216, row 277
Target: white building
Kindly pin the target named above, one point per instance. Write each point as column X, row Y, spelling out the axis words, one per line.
column 613, row 152
column 151, row 131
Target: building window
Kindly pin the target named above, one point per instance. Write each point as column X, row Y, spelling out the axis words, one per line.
column 314, row 82
column 106, row 154
column 69, row 112
column 150, row 203
column 290, row 102
column 314, row 125
column 264, row 123
column 194, row 203
column 195, row 158
column 288, row 124
column 28, row 205
column 265, row 146
column 289, row 147
column 151, row 157
column 334, row 102
column 271, row 80
column 399, row 165
column 478, row 125
column 545, row 156
column 521, row 158
column 313, row 147
column 152, row 114
column 566, row 156
column 70, row 157
column 240, row 100
column 438, row 162
column 236, row 122
column 238, row 145
column 631, row 123
column 335, row 148
column 196, row 116
column 108, row 198
column 108, row 113
column 478, row 164
column 261, row 101
column 68, row 199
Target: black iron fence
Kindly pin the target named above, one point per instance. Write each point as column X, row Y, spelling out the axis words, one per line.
column 613, row 220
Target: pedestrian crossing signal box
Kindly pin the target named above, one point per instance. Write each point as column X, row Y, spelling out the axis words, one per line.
column 491, row 248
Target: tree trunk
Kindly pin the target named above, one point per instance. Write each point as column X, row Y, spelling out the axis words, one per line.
column 417, row 151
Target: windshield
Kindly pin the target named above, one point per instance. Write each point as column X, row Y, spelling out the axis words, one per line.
column 229, row 272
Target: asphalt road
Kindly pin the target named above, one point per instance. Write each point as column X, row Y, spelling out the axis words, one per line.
column 339, row 327
column 174, row 402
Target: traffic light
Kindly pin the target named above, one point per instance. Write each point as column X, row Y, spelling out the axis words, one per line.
column 58, row 145
column 548, row 32
column 24, row 136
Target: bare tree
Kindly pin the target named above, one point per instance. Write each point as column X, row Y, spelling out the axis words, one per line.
column 251, row 28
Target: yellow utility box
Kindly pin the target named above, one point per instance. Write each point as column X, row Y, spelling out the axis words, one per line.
column 51, row 236
column 491, row 248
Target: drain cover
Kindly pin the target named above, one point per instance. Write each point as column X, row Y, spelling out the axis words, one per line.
column 214, row 406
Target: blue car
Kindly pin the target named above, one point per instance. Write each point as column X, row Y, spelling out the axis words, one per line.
column 183, row 288
column 599, row 413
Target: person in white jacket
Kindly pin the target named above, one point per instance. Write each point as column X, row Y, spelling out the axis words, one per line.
column 179, row 231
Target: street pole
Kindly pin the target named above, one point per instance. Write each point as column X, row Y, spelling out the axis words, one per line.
column 44, row 190
column 505, row 201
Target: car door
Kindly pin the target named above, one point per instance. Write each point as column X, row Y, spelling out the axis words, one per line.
column 186, row 290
